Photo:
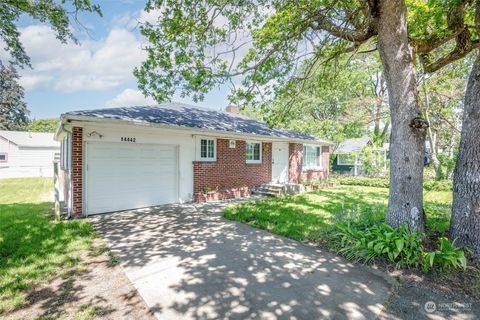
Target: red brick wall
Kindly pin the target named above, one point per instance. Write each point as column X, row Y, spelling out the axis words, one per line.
column 77, row 172
column 296, row 174
column 295, row 157
column 230, row 173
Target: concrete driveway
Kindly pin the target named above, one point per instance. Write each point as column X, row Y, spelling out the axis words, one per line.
column 188, row 262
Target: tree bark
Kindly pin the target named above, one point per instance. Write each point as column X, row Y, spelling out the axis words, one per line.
column 465, row 220
column 407, row 142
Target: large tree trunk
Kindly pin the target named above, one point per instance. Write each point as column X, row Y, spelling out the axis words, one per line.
column 407, row 142
column 465, row 221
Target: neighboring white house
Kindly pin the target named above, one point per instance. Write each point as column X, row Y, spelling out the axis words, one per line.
column 27, row 154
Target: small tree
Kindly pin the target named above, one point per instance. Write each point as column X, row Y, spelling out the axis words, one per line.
column 13, row 110
column 372, row 161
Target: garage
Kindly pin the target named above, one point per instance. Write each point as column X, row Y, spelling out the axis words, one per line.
column 121, row 176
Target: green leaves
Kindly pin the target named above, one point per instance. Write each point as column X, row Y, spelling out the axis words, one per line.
column 445, row 257
column 399, row 246
column 362, row 243
column 55, row 13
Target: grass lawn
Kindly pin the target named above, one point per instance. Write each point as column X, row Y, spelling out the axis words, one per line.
column 34, row 249
column 311, row 215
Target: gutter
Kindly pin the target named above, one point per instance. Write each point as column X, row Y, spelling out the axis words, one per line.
column 63, row 128
column 66, row 119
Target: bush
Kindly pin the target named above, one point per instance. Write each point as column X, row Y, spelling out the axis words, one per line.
column 366, row 243
column 446, row 257
column 438, row 185
column 362, row 243
column 429, row 185
column 363, row 181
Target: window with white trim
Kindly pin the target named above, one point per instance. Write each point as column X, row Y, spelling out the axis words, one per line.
column 345, row 159
column 254, row 152
column 312, row 157
column 3, row 157
column 207, row 149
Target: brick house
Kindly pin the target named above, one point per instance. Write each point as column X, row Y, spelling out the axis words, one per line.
column 124, row 158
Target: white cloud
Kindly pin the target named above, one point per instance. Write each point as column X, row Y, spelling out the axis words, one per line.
column 130, row 97
column 92, row 65
column 133, row 19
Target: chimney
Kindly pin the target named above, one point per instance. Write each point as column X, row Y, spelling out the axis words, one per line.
column 232, row 109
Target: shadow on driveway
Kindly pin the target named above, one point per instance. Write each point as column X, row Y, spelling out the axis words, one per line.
column 188, row 262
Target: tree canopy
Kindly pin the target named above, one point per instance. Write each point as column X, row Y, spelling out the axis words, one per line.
column 195, row 46
column 13, row 110
column 57, row 14
column 44, row 125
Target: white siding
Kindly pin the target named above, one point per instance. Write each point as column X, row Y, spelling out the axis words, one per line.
column 26, row 162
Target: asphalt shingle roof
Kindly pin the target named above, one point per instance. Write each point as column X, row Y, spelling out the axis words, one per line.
column 352, row 145
column 30, row 139
column 183, row 115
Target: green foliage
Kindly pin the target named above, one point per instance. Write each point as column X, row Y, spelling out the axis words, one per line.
column 362, row 244
column 372, row 161
column 34, row 249
column 338, row 101
column 310, row 216
column 428, row 185
column 362, row 181
column 55, row 13
column 44, row 125
column 438, row 185
column 445, row 257
column 13, row 110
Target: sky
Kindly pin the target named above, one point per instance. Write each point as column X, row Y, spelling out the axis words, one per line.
column 97, row 73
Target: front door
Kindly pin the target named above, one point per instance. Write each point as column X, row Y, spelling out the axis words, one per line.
column 280, row 162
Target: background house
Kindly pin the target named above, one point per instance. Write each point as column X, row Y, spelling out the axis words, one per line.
column 348, row 156
column 27, row 154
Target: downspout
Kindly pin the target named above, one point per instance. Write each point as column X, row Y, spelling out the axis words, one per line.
column 63, row 129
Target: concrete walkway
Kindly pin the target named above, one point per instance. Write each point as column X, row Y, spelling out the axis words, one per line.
column 188, row 262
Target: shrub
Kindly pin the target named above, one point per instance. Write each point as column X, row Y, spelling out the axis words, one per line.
column 438, row 185
column 429, row 185
column 364, row 181
column 373, row 162
column 446, row 257
column 362, row 244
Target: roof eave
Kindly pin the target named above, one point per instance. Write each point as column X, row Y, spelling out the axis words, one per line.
column 65, row 118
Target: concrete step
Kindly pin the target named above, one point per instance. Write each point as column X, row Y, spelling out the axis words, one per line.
column 277, row 190
column 266, row 193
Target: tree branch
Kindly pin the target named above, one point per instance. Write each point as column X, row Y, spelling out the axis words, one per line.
column 428, row 45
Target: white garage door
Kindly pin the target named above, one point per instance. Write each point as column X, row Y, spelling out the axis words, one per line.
column 124, row 176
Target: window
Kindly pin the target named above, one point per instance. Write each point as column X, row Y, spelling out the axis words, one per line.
column 254, row 152
column 3, row 157
column 346, row 159
column 65, row 152
column 312, row 157
column 207, row 149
